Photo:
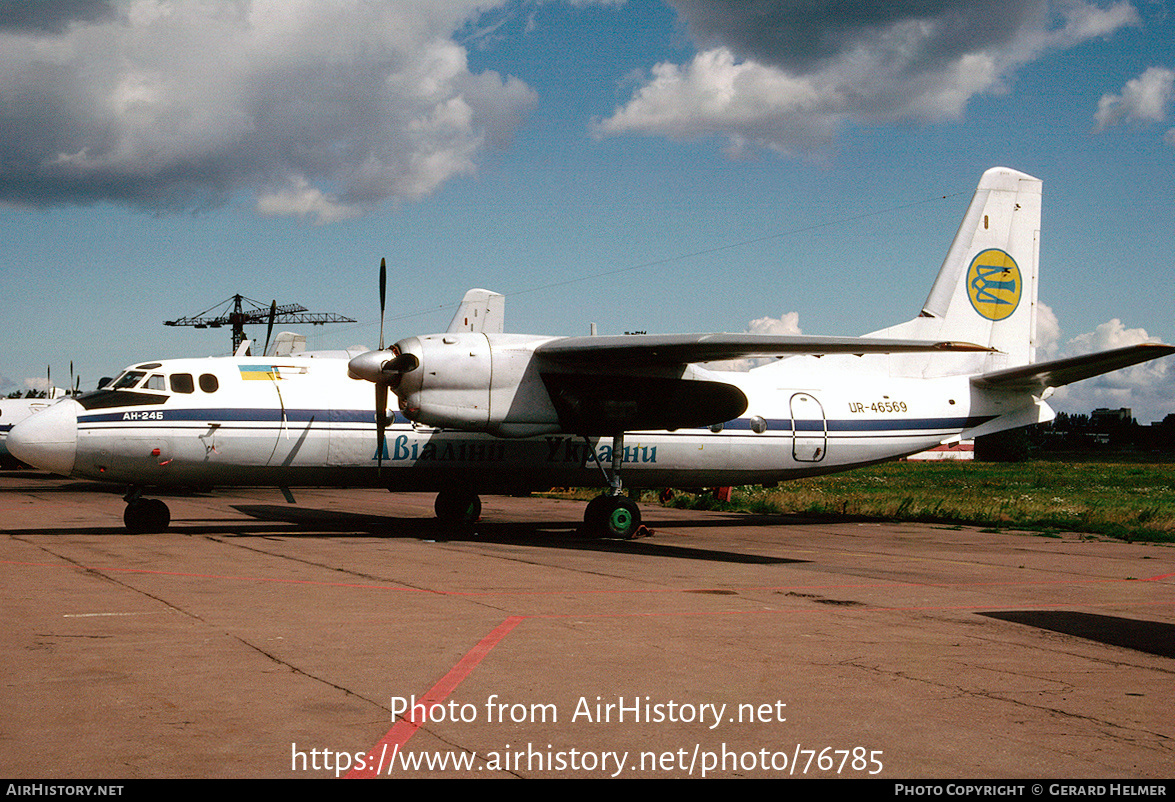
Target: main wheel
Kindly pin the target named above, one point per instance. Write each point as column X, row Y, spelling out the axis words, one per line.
column 612, row 516
column 457, row 507
column 145, row 516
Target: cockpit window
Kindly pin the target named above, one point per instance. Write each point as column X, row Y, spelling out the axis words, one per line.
column 182, row 383
column 209, row 383
column 155, row 382
column 127, row 380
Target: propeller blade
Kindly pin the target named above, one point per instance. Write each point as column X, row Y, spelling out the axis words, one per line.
column 269, row 331
column 370, row 366
column 381, row 421
column 383, row 291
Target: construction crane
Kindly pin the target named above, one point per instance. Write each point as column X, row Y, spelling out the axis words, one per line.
column 239, row 316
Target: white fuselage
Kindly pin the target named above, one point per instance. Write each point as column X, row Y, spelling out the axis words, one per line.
column 302, row 421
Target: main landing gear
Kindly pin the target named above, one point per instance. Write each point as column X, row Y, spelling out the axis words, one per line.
column 612, row 515
column 144, row 515
column 457, row 507
column 605, row 516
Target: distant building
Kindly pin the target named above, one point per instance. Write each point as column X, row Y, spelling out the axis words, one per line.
column 1104, row 417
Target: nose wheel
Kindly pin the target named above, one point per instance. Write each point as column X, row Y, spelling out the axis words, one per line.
column 145, row 515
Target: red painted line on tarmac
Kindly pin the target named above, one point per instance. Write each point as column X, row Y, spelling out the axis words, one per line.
column 382, row 755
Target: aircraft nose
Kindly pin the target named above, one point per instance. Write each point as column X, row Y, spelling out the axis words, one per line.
column 48, row 439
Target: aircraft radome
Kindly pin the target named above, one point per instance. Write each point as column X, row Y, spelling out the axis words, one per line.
column 481, row 411
column 14, row 410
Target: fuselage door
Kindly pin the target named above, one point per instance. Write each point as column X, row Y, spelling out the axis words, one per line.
column 303, row 433
column 809, row 428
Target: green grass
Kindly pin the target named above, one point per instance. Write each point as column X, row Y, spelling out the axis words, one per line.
column 1125, row 501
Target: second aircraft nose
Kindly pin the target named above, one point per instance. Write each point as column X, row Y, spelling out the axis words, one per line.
column 48, row 439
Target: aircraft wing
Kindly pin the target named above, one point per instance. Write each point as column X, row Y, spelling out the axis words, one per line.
column 597, row 386
column 683, row 349
column 1059, row 372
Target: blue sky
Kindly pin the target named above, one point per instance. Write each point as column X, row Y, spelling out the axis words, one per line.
column 688, row 165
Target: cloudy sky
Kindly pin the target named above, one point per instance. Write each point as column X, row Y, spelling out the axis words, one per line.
column 661, row 165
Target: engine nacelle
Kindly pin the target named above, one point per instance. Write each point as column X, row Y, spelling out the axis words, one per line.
column 476, row 382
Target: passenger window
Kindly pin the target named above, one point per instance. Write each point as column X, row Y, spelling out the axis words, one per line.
column 155, row 382
column 208, row 383
column 182, row 383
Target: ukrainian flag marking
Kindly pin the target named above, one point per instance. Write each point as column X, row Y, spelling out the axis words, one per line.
column 257, row 372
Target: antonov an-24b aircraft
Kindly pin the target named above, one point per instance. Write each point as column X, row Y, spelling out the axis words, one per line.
column 481, row 411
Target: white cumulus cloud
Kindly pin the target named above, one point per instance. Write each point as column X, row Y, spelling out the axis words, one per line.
column 322, row 110
column 1145, row 99
column 1148, row 389
column 786, row 324
column 788, row 75
column 1048, row 332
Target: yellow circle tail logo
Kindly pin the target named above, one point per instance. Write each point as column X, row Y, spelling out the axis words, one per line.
column 994, row 284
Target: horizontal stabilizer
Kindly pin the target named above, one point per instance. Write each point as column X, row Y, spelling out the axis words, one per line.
column 684, row 349
column 1059, row 372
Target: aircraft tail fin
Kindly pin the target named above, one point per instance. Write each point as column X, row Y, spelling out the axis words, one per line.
column 985, row 292
column 287, row 343
column 480, row 311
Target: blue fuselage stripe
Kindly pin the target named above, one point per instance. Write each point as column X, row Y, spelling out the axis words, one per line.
column 351, row 416
column 260, row 415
